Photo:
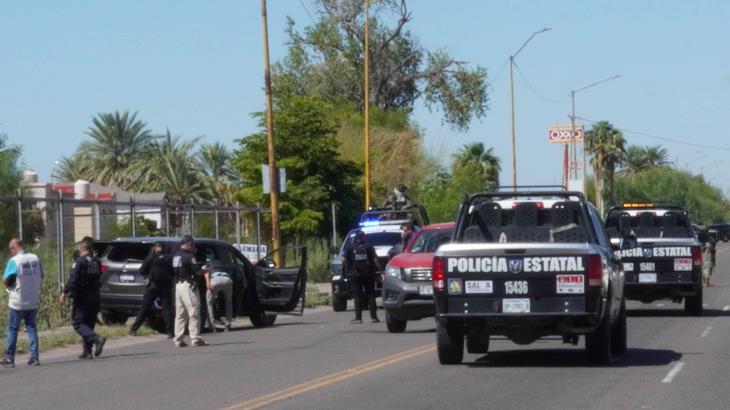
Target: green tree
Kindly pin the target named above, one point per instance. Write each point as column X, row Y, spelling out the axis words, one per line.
column 606, row 145
column 71, row 169
column 118, row 140
column 474, row 162
column 636, row 158
column 316, row 175
column 220, row 177
column 704, row 202
column 326, row 60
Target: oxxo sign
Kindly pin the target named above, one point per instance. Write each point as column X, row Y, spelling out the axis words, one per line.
column 560, row 134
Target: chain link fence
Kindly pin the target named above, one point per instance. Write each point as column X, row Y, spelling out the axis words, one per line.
column 51, row 227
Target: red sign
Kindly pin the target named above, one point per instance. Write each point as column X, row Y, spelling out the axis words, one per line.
column 560, row 134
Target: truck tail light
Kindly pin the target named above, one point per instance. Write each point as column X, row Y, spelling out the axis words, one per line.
column 438, row 274
column 104, row 268
column 595, row 270
column 696, row 257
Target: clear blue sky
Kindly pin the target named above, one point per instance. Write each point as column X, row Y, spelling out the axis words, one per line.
column 196, row 67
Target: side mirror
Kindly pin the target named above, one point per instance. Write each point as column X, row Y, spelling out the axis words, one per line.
column 266, row 263
column 629, row 242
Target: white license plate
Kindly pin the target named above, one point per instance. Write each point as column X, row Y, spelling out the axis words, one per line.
column 647, row 278
column 479, row 286
column 515, row 305
column 425, row 290
column 126, row 278
column 628, row 267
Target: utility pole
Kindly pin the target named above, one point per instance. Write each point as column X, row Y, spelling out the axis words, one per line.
column 273, row 177
column 512, row 102
column 367, row 105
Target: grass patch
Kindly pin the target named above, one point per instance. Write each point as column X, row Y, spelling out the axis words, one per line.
column 314, row 297
column 66, row 336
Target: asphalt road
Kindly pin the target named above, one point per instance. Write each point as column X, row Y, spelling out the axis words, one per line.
column 321, row 361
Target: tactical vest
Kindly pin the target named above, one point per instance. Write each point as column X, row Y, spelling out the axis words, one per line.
column 182, row 264
column 161, row 270
column 92, row 275
column 361, row 260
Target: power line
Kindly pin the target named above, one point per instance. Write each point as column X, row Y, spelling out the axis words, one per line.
column 307, row 11
column 537, row 93
column 501, row 70
column 667, row 139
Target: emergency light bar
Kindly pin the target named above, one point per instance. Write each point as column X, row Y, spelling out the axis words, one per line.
column 637, row 205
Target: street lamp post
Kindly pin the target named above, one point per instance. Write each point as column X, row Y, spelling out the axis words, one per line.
column 572, row 131
column 366, row 88
column 512, row 102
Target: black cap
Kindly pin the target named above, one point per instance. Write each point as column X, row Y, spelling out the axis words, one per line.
column 158, row 243
column 186, row 239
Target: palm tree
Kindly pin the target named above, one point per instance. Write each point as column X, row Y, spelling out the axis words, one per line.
column 606, row 145
column 71, row 169
column 148, row 174
column 215, row 160
column 118, row 140
column 637, row 159
column 657, row 156
column 483, row 160
column 180, row 179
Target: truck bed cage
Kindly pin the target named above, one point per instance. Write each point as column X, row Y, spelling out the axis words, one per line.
column 652, row 206
column 515, row 194
column 523, row 187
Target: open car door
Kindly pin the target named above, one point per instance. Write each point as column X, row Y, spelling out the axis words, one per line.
column 281, row 288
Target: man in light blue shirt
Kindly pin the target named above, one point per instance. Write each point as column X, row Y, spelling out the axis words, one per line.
column 23, row 278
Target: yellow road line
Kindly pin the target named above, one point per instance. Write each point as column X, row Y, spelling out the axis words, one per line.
column 321, row 382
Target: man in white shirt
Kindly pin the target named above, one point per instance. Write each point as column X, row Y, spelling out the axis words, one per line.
column 23, row 278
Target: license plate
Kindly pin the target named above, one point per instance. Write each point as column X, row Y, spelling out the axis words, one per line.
column 515, row 305
column 628, row 267
column 425, row 290
column 647, row 278
column 126, row 278
column 479, row 286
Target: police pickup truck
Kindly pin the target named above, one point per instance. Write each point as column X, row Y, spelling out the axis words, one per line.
column 668, row 262
column 528, row 264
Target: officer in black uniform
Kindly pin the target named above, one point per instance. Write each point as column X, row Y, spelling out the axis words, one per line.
column 83, row 286
column 362, row 264
column 157, row 269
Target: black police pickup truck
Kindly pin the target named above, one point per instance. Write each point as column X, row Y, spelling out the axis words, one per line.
column 528, row 264
column 259, row 291
column 668, row 262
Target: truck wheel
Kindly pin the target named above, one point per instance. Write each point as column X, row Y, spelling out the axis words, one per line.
column 262, row 319
column 477, row 343
column 339, row 304
column 693, row 304
column 598, row 342
column 449, row 343
column 618, row 333
column 393, row 324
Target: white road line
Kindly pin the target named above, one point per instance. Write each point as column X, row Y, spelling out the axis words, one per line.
column 726, row 308
column 706, row 331
column 670, row 376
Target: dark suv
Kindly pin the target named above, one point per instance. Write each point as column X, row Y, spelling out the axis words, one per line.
column 258, row 289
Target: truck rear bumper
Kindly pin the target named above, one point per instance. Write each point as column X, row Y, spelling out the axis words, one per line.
column 649, row 292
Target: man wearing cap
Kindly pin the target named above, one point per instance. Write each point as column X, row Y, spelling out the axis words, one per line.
column 187, row 299
column 23, row 277
column 157, row 269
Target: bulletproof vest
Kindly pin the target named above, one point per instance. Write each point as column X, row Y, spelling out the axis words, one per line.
column 361, row 259
column 92, row 274
column 160, row 269
column 182, row 264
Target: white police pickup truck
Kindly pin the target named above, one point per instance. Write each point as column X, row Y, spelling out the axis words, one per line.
column 528, row 264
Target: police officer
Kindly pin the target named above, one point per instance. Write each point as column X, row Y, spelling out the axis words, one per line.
column 157, row 269
column 709, row 250
column 362, row 263
column 83, row 286
column 187, row 299
column 405, row 236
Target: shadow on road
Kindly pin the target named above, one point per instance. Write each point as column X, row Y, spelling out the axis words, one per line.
column 252, row 327
column 574, row 358
column 674, row 313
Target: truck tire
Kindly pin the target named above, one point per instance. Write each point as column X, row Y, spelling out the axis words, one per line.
column 618, row 333
column 393, row 324
column 449, row 343
column 262, row 319
column 339, row 304
column 598, row 342
column 693, row 304
column 477, row 343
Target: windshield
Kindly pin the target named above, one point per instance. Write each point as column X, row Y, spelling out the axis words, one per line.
column 122, row 252
column 656, row 223
column 376, row 239
column 429, row 241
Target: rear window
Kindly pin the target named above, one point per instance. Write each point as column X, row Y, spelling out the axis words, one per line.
column 562, row 222
column 376, row 239
column 123, row 252
column 429, row 241
column 655, row 223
